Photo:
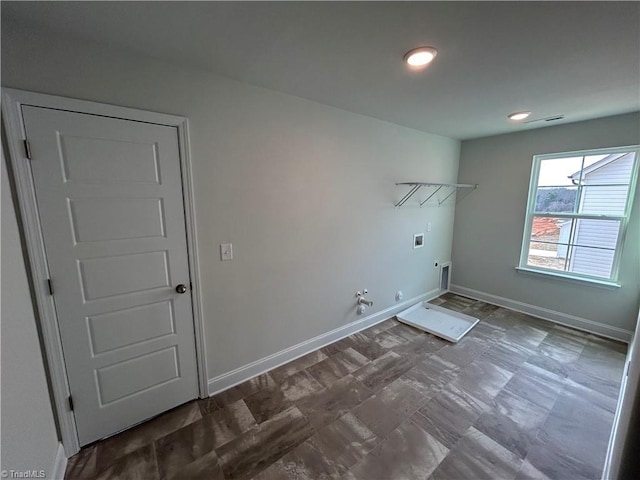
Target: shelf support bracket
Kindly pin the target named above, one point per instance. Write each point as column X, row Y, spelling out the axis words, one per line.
column 454, row 190
column 429, row 197
column 415, row 186
column 413, row 190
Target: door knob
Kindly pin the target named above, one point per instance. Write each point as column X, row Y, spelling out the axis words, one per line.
column 181, row 288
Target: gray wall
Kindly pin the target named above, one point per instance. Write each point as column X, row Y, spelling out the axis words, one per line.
column 29, row 438
column 490, row 223
column 304, row 192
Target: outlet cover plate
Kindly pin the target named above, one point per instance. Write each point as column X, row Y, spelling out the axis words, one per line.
column 418, row 240
column 226, row 251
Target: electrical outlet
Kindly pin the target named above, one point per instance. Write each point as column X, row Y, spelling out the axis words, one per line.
column 226, row 251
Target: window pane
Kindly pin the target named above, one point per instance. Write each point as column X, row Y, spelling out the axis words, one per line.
column 581, row 246
column 607, row 200
column 549, row 238
column 596, row 233
column 614, row 168
column 547, row 255
column 550, row 229
column 593, row 159
column 571, row 258
column 591, row 261
column 556, row 199
column 558, row 171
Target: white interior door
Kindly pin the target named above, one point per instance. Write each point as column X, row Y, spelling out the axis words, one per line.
column 109, row 196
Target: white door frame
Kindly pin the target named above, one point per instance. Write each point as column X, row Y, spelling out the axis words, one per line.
column 12, row 100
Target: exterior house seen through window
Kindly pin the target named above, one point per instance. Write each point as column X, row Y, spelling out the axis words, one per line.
column 578, row 210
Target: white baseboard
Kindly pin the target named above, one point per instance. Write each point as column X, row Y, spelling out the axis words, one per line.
column 59, row 464
column 239, row 375
column 547, row 314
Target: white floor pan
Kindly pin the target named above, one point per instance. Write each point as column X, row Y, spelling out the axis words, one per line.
column 439, row 321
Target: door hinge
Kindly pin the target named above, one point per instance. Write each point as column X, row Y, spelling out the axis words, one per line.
column 50, row 286
column 27, row 149
column 70, row 402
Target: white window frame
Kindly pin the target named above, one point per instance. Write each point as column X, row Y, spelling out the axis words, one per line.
column 624, row 218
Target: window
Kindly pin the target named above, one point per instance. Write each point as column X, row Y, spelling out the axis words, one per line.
column 578, row 210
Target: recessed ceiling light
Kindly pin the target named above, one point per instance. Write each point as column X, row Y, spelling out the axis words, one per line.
column 518, row 115
column 419, row 57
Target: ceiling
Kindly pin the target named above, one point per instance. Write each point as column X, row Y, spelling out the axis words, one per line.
column 578, row 59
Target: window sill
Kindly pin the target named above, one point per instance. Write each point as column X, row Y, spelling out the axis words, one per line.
column 570, row 278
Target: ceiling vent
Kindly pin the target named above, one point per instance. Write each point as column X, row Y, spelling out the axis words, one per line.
column 547, row 119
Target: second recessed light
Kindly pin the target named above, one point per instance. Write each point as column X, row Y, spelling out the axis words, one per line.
column 420, row 57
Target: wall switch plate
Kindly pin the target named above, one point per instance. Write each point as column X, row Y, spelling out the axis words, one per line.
column 428, row 226
column 226, row 251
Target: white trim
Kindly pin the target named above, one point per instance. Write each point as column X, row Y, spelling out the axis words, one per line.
column 444, row 265
column 59, row 464
column 12, row 101
column 23, row 97
column 192, row 246
column 620, row 433
column 241, row 374
column 564, row 276
column 546, row 314
column 38, row 269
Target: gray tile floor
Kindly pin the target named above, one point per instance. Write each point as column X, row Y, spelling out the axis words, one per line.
column 517, row 398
